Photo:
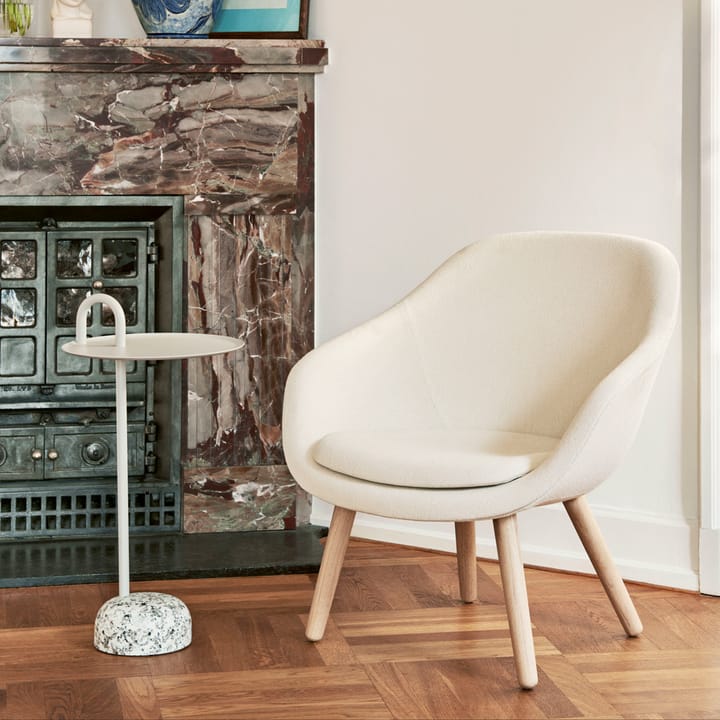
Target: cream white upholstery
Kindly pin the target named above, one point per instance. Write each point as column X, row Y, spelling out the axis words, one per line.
column 515, row 375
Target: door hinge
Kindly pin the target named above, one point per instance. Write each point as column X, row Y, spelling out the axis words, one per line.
column 152, row 254
column 151, row 432
column 150, row 446
column 150, row 463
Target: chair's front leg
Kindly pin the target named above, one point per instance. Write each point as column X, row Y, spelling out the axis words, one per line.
column 332, row 560
column 587, row 528
column 467, row 560
column 516, row 600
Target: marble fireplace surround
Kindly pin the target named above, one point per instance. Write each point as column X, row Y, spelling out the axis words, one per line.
column 228, row 125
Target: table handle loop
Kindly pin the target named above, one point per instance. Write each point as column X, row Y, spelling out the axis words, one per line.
column 84, row 308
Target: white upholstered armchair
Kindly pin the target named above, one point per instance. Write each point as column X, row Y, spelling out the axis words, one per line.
column 516, row 375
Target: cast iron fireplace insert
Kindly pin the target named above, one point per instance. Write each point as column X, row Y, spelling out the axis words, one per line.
column 57, row 416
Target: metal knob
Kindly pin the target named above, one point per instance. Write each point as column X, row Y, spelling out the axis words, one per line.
column 98, row 285
column 36, row 454
column 52, row 454
column 96, row 453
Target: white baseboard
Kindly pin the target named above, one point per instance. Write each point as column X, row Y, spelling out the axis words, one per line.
column 710, row 561
column 647, row 548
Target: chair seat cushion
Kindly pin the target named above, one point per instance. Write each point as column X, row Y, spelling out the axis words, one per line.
column 436, row 459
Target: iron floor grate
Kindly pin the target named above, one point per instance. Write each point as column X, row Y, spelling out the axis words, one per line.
column 76, row 511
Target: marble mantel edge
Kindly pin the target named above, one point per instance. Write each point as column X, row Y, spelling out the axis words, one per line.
column 102, row 55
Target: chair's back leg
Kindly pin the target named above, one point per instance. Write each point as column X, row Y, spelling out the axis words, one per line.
column 587, row 528
column 466, row 560
column 332, row 560
column 516, row 600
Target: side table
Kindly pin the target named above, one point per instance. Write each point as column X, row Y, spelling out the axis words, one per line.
column 142, row 623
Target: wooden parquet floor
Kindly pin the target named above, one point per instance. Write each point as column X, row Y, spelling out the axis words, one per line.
column 399, row 645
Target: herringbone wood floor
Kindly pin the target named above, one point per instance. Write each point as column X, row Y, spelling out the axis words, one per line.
column 399, row 645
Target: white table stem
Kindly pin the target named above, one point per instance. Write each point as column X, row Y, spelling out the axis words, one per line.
column 122, row 478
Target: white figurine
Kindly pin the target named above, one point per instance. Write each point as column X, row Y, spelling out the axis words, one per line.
column 71, row 18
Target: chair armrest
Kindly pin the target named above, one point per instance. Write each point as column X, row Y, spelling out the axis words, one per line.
column 605, row 426
column 366, row 377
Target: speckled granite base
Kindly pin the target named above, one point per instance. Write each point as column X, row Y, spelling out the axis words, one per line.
column 143, row 623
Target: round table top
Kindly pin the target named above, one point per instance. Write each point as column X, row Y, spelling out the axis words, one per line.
column 154, row 346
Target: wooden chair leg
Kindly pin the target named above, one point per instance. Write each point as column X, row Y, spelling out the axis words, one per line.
column 587, row 528
column 466, row 560
column 516, row 600
column 330, row 566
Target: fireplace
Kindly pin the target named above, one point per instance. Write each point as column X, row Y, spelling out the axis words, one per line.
column 214, row 141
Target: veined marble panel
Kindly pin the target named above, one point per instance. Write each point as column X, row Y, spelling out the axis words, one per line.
column 251, row 277
column 192, row 135
column 243, row 498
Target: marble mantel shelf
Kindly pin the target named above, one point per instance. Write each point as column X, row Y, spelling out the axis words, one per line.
column 161, row 55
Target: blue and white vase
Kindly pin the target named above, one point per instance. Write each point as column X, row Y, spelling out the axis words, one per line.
column 177, row 18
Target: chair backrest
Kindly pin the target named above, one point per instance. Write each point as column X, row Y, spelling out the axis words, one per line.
column 514, row 332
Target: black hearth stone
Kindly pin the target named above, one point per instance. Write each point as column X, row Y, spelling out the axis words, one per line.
column 166, row 557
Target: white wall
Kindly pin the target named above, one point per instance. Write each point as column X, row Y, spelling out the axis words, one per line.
column 111, row 18
column 439, row 123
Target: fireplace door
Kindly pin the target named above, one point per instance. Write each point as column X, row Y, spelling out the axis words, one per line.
column 44, row 277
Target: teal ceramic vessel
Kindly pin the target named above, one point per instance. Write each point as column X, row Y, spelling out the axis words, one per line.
column 177, row 18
